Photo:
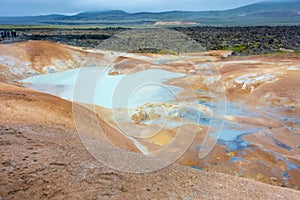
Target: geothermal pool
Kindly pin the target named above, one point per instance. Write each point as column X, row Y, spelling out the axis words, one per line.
column 247, row 142
column 94, row 85
column 63, row 84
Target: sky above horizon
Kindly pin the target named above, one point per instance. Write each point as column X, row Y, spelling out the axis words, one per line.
column 41, row 7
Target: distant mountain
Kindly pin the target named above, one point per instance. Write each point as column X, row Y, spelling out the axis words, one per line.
column 113, row 15
column 270, row 6
column 262, row 13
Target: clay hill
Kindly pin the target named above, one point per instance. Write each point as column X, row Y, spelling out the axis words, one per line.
column 42, row 156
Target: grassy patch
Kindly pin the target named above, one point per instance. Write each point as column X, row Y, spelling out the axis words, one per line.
column 239, row 48
column 167, row 52
column 283, row 53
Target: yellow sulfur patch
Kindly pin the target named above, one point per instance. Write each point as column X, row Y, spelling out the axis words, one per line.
column 160, row 139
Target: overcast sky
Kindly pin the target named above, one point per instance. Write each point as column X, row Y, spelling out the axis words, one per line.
column 38, row 7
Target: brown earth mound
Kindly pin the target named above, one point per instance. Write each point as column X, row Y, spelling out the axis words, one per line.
column 39, row 57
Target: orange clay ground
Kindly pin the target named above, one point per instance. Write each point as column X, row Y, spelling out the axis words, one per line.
column 43, row 157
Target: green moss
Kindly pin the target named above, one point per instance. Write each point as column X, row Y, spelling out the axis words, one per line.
column 167, row 52
column 283, row 53
column 239, row 48
column 257, row 44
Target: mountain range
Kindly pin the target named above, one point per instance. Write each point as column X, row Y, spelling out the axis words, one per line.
column 262, row 13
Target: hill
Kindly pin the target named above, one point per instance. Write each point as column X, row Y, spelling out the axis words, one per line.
column 262, row 13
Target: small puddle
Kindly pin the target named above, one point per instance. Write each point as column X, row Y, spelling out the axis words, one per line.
column 236, row 159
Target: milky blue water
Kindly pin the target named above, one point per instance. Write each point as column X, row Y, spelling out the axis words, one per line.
column 292, row 166
column 231, row 132
column 236, row 159
column 93, row 85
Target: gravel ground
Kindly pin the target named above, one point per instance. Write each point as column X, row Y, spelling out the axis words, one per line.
column 242, row 40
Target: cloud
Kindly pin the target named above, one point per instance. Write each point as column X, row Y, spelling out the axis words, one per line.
column 37, row 7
